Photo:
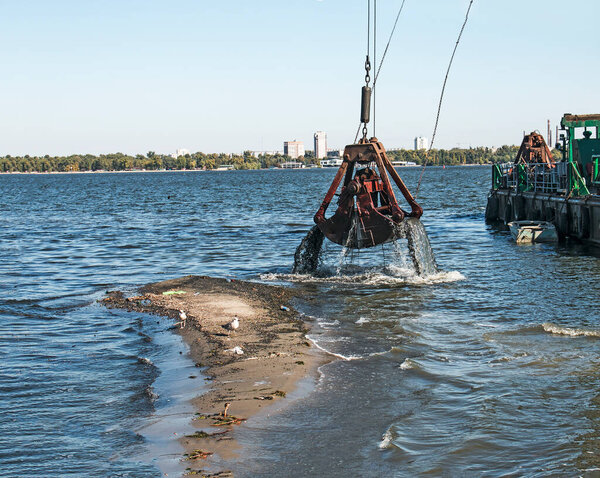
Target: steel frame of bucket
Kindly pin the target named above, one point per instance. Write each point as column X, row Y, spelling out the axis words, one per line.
column 374, row 225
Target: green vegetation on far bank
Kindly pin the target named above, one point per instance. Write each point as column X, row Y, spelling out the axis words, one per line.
column 153, row 161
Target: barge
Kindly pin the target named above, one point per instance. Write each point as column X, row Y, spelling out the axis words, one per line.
column 566, row 193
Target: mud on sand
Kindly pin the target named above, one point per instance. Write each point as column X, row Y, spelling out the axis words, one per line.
column 275, row 352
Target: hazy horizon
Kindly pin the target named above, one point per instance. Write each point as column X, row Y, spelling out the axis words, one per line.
column 239, row 153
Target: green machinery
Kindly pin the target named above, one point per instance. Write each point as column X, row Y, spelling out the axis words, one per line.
column 583, row 153
column 535, row 169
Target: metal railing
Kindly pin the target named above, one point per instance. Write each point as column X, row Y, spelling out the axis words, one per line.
column 538, row 177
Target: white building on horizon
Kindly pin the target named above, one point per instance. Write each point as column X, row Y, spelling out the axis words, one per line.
column 421, row 143
column 179, row 152
column 294, row 149
column 256, row 154
column 320, row 145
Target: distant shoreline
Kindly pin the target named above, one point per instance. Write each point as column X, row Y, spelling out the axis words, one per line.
column 102, row 171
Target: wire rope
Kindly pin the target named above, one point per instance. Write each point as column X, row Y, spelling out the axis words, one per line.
column 375, row 50
column 387, row 46
column 374, row 61
column 437, row 118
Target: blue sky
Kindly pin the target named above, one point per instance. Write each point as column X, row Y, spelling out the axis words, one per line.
column 138, row 75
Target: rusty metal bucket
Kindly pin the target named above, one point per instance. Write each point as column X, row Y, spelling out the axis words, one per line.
column 368, row 213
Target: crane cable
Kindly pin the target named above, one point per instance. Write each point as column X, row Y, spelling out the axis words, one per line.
column 367, row 66
column 378, row 70
column 437, row 118
column 388, row 44
column 374, row 57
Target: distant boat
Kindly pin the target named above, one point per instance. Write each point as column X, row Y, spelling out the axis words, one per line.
column 331, row 163
column 532, row 231
column 291, row 165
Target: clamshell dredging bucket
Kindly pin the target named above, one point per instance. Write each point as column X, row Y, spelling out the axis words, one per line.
column 368, row 213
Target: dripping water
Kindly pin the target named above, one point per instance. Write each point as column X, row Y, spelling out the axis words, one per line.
column 307, row 258
column 419, row 247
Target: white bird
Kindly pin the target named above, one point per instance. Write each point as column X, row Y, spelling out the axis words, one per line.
column 234, row 324
column 237, row 350
column 183, row 318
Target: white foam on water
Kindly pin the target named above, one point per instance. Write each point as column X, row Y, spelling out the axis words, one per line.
column 362, row 320
column 558, row 330
column 112, row 428
column 145, row 360
column 347, row 358
column 407, row 364
column 387, row 439
column 309, row 317
column 327, row 323
column 439, row 278
column 332, row 339
column 371, row 277
column 509, row 358
column 376, row 354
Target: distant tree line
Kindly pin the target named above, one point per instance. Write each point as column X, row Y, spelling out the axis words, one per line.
column 153, row 161
column 456, row 156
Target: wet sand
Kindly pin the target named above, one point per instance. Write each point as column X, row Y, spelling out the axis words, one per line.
column 275, row 354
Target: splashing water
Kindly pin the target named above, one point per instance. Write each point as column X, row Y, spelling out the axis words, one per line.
column 308, row 258
column 420, row 247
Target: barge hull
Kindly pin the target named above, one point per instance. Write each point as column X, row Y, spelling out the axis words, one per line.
column 576, row 217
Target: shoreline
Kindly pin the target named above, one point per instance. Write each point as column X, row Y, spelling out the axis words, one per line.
column 275, row 355
column 19, row 173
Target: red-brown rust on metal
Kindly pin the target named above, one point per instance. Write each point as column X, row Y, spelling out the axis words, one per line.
column 397, row 213
column 367, row 202
column 570, row 117
column 416, row 210
column 534, row 150
column 320, row 215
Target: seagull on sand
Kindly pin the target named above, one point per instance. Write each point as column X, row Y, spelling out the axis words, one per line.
column 183, row 318
column 234, row 324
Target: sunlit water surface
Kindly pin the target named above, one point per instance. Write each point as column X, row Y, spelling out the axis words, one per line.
column 490, row 367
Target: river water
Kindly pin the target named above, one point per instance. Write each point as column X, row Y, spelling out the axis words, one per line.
column 488, row 368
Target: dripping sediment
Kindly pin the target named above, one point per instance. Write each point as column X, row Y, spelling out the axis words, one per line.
column 419, row 247
column 306, row 258
column 309, row 256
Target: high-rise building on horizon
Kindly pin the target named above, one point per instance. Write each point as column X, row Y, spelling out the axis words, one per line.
column 320, row 145
column 293, row 149
column 420, row 143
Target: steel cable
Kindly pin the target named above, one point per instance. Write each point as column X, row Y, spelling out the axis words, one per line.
column 375, row 48
column 388, row 43
column 437, row 118
column 374, row 60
